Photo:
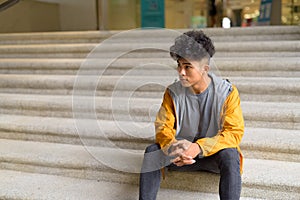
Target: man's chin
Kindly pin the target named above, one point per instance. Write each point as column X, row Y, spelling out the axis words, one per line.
column 185, row 84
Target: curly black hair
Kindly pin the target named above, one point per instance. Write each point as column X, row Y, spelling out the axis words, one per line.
column 192, row 45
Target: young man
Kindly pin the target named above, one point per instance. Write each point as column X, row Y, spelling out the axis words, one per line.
column 199, row 125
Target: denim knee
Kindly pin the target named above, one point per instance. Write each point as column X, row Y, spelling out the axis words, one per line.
column 229, row 157
column 154, row 159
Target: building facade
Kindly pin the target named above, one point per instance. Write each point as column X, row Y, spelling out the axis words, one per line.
column 76, row 15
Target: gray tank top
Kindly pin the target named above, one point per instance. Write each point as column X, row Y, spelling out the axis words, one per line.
column 200, row 104
column 199, row 116
column 205, row 100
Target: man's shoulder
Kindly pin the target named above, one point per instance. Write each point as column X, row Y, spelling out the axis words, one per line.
column 175, row 88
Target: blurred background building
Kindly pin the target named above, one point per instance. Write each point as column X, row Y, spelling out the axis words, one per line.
column 76, row 15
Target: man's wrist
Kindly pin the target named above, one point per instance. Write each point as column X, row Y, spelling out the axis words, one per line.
column 200, row 150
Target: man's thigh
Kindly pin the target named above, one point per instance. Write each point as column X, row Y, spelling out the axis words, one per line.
column 210, row 163
column 202, row 164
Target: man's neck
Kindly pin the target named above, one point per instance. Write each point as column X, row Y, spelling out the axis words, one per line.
column 201, row 86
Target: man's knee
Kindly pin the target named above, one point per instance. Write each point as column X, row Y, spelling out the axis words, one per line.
column 229, row 157
column 229, row 153
column 154, row 159
column 152, row 148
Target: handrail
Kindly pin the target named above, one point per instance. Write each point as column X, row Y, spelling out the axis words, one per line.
column 7, row 4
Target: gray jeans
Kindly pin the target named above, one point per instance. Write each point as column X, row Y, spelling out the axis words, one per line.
column 226, row 162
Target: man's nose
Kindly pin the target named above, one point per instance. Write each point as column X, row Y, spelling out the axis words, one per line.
column 181, row 71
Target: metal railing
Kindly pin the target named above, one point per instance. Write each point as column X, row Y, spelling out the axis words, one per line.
column 7, row 4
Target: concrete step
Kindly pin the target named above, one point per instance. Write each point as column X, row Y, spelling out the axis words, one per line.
column 261, row 178
column 107, row 148
column 55, row 37
column 130, row 84
column 163, row 54
column 253, row 46
column 263, row 143
column 266, row 67
column 22, row 185
column 34, row 50
column 287, row 48
column 145, row 54
column 217, row 34
column 257, row 114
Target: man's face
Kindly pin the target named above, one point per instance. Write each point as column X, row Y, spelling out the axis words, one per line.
column 191, row 72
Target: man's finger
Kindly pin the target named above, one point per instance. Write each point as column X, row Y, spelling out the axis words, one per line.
column 189, row 162
column 184, row 162
column 181, row 163
column 177, row 159
column 185, row 157
column 176, row 152
column 181, row 144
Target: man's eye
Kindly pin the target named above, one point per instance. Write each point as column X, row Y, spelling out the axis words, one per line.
column 187, row 67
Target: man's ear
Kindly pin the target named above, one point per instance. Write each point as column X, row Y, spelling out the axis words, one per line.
column 206, row 68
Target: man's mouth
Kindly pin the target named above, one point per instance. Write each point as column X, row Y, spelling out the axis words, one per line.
column 183, row 79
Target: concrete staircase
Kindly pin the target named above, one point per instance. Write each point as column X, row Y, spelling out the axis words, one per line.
column 77, row 111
